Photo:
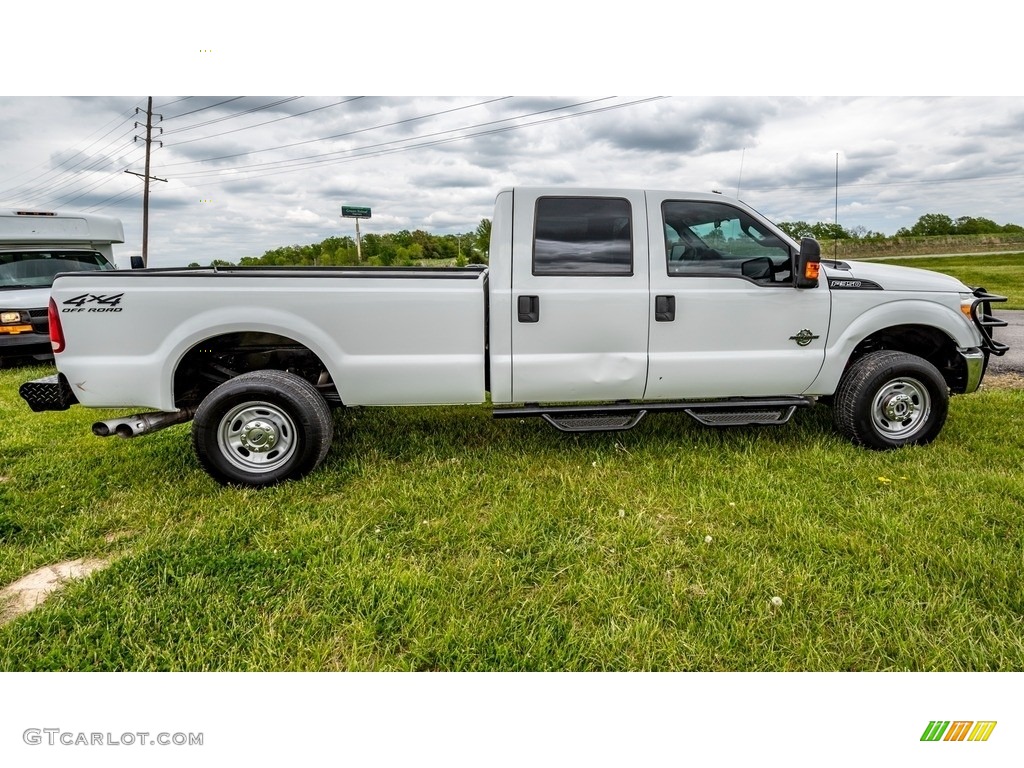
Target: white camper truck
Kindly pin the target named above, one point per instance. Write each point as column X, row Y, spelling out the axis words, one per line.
column 35, row 246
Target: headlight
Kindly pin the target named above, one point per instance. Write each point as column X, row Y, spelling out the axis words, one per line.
column 10, row 317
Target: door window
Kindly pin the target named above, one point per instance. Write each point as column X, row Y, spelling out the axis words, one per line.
column 582, row 236
column 710, row 239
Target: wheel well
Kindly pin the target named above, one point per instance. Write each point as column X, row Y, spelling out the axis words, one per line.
column 220, row 358
column 927, row 342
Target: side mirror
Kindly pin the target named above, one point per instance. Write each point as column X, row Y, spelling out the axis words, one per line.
column 137, row 262
column 808, row 264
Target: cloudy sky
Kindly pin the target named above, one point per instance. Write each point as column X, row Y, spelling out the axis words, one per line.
column 247, row 174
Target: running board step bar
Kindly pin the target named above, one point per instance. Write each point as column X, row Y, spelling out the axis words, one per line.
column 594, row 422
column 613, row 417
column 742, row 416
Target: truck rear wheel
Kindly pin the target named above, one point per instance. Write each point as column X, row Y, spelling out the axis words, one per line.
column 891, row 399
column 262, row 428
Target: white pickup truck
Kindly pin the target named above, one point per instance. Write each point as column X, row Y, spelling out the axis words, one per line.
column 598, row 306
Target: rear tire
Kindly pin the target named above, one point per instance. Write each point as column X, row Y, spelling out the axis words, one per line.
column 262, row 428
column 891, row 399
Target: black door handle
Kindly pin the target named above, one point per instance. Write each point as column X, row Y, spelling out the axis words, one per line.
column 529, row 309
column 664, row 309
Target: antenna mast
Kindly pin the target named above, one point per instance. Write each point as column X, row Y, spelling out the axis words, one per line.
column 835, row 219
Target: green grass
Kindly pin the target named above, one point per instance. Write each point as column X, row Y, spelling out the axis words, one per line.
column 1002, row 274
column 440, row 539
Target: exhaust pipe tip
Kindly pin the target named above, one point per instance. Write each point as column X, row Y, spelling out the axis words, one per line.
column 124, row 430
column 141, row 423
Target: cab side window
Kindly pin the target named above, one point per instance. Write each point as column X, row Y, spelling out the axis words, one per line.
column 583, row 236
column 710, row 239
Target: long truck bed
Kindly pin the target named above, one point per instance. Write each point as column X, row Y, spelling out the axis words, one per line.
column 387, row 337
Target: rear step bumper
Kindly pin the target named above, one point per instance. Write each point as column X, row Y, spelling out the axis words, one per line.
column 50, row 394
column 612, row 417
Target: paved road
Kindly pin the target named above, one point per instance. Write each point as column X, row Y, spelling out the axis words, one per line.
column 1013, row 334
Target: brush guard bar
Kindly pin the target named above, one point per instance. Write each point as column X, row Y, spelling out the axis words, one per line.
column 984, row 321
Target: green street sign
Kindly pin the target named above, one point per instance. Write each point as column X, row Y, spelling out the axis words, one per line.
column 355, row 212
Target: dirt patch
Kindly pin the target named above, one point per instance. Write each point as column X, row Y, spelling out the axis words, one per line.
column 32, row 590
column 1003, row 381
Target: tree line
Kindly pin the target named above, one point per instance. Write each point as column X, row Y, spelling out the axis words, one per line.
column 928, row 225
column 398, row 249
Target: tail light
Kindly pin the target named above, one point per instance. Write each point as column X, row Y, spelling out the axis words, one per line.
column 56, row 331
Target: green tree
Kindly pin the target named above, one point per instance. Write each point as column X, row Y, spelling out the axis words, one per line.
column 932, row 224
column 482, row 241
column 971, row 225
column 820, row 230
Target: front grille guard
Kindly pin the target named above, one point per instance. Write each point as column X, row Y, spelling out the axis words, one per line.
column 981, row 314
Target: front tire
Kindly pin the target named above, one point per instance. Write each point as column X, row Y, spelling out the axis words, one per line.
column 891, row 399
column 262, row 428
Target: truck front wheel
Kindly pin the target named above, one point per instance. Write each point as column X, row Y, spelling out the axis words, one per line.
column 891, row 399
column 262, row 428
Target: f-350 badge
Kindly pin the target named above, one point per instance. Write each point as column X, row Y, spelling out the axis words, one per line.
column 804, row 338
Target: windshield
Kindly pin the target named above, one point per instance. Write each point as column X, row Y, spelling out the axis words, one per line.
column 36, row 269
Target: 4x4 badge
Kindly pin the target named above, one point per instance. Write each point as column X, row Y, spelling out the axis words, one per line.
column 804, row 338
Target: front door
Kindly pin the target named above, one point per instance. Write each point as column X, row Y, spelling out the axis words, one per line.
column 738, row 326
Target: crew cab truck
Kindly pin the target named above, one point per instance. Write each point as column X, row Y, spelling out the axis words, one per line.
column 598, row 306
column 34, row 247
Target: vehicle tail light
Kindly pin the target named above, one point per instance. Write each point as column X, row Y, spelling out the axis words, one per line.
column 56, row 331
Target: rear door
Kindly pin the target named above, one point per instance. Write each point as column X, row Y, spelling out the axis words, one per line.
column 580, row 296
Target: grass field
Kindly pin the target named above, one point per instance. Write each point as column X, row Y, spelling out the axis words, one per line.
column 440, row 539
column 999, row 273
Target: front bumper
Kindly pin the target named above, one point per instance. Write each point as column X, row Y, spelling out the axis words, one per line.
column 975, row 363
column 35, row 342
column 52, row 393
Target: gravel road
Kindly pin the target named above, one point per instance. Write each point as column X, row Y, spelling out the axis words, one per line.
column 1013, row 334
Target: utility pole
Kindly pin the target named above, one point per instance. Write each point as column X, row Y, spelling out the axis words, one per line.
column 147, row 177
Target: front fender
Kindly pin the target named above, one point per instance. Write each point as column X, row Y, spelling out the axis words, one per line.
column 851, row 325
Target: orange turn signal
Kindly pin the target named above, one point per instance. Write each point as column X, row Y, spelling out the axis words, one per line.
column 15, row 329
column 811, row 270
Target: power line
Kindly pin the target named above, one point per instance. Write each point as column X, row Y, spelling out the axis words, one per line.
column 335, row 136
column 71, row 176
column 378, row 150
column 202, row 109
column 232, row 116
column 183, row 98
column 256, row 125
column 62, row 166
column 299, row 160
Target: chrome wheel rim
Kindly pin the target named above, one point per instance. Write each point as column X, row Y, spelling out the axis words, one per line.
column 901, row 408
column 257, row 437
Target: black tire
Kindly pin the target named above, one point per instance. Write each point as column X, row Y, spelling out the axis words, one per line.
column 262, row 428
column 891, row 399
